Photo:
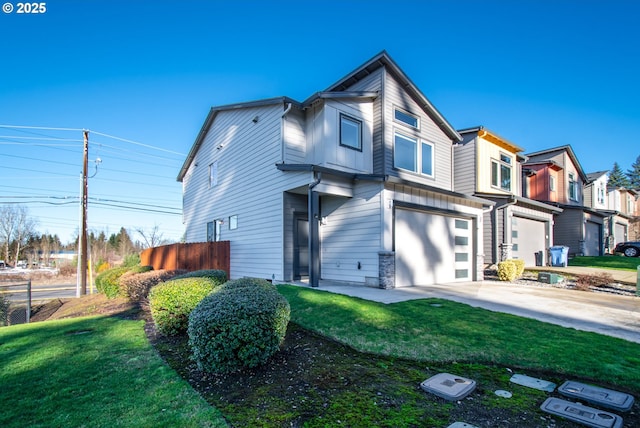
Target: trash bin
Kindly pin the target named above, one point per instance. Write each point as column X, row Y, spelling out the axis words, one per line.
column 559, row 256
column 539, row 257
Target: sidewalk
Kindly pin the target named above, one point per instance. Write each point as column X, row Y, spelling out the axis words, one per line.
column 612, row 315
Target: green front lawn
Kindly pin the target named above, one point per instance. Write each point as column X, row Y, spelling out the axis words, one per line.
column 607, row 262
column 92, row 372
column 444, row 331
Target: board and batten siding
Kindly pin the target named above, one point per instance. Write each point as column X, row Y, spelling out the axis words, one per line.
column 351, row 234
column 324, row 128
column 396, row 96
column 465, row 166
column 374, row 83
column 249, row 187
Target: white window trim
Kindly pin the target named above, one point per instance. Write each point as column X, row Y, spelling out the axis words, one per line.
column 572, row 179
column 418, row 160
column 403, row 111
column 500, row 163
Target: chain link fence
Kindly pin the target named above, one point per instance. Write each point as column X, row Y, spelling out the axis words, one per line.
column 15, row 302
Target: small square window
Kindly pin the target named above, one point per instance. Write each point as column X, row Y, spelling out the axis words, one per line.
column 233, row 222
column 406, row 118
column 350, row 132
column 461, row 240
column 462, row 224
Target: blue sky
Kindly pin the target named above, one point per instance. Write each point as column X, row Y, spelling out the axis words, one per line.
column 539, row 73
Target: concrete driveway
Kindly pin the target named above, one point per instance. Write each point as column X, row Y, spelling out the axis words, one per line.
column 613, row 315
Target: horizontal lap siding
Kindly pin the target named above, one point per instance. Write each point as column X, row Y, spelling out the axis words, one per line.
column 295, row 150
column 567, row 230
column 464, row 167
column 249, row 186
column 395, row 96
column 351, row 234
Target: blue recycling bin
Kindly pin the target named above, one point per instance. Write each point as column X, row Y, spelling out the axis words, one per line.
column 559, row 256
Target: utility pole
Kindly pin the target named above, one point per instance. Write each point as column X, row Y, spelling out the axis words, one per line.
column 83, row 233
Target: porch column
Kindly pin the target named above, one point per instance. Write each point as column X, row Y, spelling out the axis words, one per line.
column 314, row 238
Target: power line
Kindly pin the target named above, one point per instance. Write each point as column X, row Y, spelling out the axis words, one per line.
column 137, row 143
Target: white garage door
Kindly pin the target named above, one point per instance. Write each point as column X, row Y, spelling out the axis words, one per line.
column 432, row 248
column 592, row 240
column 528, row 237
column 620, row 233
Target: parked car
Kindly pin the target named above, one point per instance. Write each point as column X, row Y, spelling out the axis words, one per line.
column 629, row 249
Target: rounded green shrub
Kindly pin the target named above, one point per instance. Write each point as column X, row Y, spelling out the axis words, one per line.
column 107, row 282
column 216, row 275
column 136, row 286
column 171, row 302
column 249, row 282
column 237, row 327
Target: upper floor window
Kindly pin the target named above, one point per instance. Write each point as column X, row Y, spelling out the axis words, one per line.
column 501, row 172
column 600, row 195
column 213, row 174
column 573, row 187
column 406, row 118
column 350, row 132
column 552, row 183
column 410, row 155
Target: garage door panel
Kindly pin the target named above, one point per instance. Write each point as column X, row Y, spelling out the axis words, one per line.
column 593, row 239
column 431, row 248
column 529, row 236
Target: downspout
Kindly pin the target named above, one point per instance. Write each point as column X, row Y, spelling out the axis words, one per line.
column 314, row 233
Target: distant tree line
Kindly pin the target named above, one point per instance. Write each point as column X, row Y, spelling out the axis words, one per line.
column 20, row 240
column 629, row 179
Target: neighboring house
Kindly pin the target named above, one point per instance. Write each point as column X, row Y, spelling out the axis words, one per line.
column 555, row 176
column 354, row 184
column 488, row 166
column 598, row 196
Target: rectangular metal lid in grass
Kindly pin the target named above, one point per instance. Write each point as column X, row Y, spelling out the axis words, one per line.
column 597, row 395
column 579, row 413
column 448, row 386
column 532, row 382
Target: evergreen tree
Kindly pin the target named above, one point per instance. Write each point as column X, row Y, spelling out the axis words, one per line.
column 617, row 178
column 633, row 174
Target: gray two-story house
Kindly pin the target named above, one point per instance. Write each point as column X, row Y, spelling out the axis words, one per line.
column 354, row 184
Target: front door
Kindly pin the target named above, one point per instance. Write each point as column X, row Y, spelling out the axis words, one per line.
column 301, row 247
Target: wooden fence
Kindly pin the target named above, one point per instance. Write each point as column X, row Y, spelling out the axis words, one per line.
column 192, row 256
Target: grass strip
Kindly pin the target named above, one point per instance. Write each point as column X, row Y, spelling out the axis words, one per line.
column 606, row 262
column 92, row 372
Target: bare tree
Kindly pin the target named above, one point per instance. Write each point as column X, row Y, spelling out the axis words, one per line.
column 152, row 237
column 16, row 226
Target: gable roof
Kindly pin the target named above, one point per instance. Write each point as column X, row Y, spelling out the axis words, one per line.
column 384, row 60
column 337, row 90
column 550, row 152
column 593, row 176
